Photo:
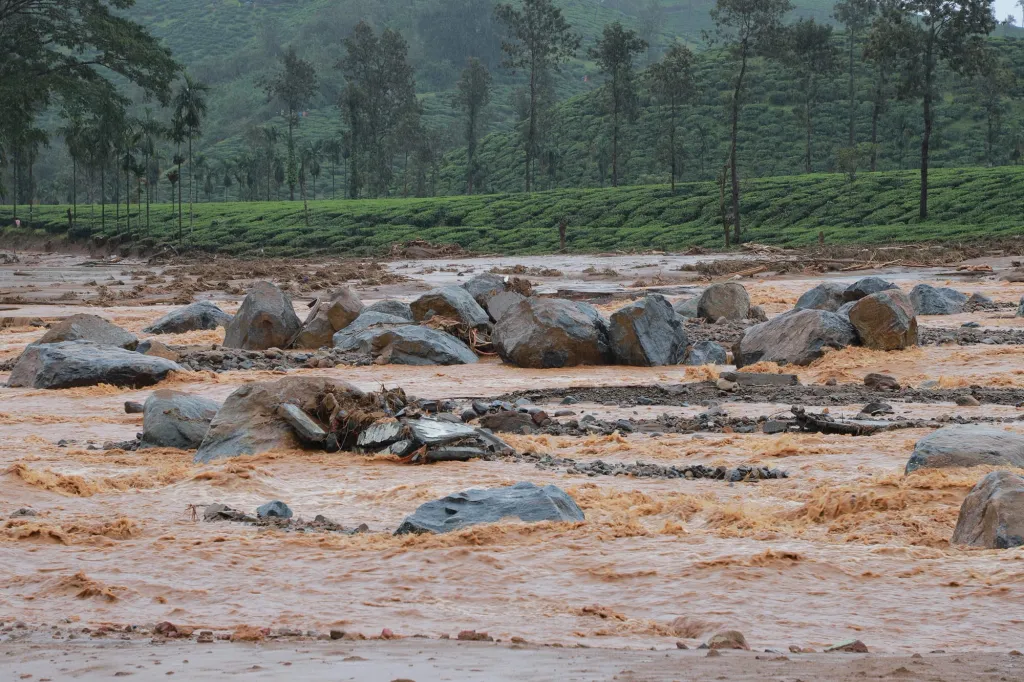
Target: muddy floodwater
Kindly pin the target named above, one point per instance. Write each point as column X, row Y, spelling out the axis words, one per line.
column 847, row 547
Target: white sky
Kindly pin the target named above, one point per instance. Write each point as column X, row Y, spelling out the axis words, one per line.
column 1004, row 7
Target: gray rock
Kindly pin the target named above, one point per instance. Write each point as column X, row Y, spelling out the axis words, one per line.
column 866, row 287
column 967, row 445
column 305, row 426
column 132, row 407
column 84, row 327
column 707, row 353
column 390, row 307
column 525, row 501
column 992, row 514
column 82, row 363
column 328, row 317
column 157, row 349
column 885, row 321
column 761, row 379
column 798, row 337
column 265, row 320
column 172, row 419
column 193, row 317
column 844, row 309
column 370, row 319
column 1020, row 307
column 249, row 421
column 927, row 300
column 409, row 345
column 729, row 300
column 978, row 298
column 551, row 332
column 453, row 302
column 774, row 426
column 757, row 314
column 500, row 304
column 826, row 296
column 647, row 333
column 687, row 309
column 274, row 510
column 484, row 287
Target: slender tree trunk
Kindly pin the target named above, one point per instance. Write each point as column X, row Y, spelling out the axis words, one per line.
column 927, row 134
column 672, row 148
column 853, row 105
column 190, row 190
column 732, row 144
column 807, row 121
column 31, row 189
column 876, row 112
column 74, row 191
column 291, row 157
column 128, row 201
column 103, row 196
column 532, row 132
column 615, row 134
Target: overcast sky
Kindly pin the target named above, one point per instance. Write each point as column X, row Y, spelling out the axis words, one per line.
column 1004, row 7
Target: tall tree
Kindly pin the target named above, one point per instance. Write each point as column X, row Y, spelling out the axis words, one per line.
column 539, row 39
column 332, row 150
column 73, row 133
column 152, row 131
column 992, row 82
column 474, row 93
column 919, row 35
column 270, row 136
column 671, row 83
column 811, row 55
column 747, row 28
column 190, row 109
column 294, row 85
column 614, row 54
column 855, row 16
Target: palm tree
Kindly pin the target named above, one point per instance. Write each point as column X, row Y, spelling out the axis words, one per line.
column 152, row 130
column 128, row 144
column 177, row 136
column 226, row 172
column 314, row 152
column 74, row 138
column 190, row 108
column 332, row 148
column 200, row 172
column 270, row 136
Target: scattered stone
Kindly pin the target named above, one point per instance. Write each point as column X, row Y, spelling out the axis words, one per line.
column 866, row 287
column 970, row 325
column 826, row 296
column 798, row 338
column 757, row 314
column 306, row 428
column 157, row 349
column 1020, row 308
column 24, row 512
column 728, row 299
column 967, row 446
column 85, row 327
column 83, row 363
column 173, row 419
column 707, row 353
column 967, row 401
column 881, row 382
column 132, row 407
column 687, row 308
column 761, row 379
column 452, row 302
column 222, row 512
column 681, row 645
column 725, row 384
column 853, row 646
column 647, row 333
column 885, row 321
column 501, row 303
column 474, row 636
column 980, row 299
column 337, row 634
column 714, row 653
column 928, row 300
column 509, row 422
column 193, row 317
column 992, row 514
column 327, row 318
column 524, row 500
column 548, row 332
column 485, row 287
column 408, row 345
column 772, row 426
column 874, row 409
column 729, row 639
column 266, row 319
column 275, row 510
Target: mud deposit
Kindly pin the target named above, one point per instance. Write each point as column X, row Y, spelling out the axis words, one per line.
column 845, row 547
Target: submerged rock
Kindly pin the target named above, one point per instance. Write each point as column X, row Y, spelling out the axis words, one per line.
column 265, row 320
column 193, row 317
column 707, row 353
column 157, row 349
column 647, row 333
column 409, row 345
column 967, row 445
column 172, row 419
column 866, row 287
column 84, row 327
column 928, row 300
column 992, row 514
column 729, row 300
column 826, row 296
column 274, row 510
column 82, row 363
column 885, row 321
column 797, row 338
column 525, row 501
column 552, row 332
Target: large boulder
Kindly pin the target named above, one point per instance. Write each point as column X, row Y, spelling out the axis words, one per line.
column 172, row 419
column 729, row 300
column 927, row 300
column 82, row 363
column 866, row 287
column 368, row 320
column 328, row 317
column 798, row 337
column 647, row 333
column 992, row 515
column 409, row 344
column 707, row 353
column 452, row 302
column 390, row 307
column 552, row 332
column 193, row 317
column 826, row 296
column 525, row 501
column 265, row 320
column 500, row 304
column 687, row 308
column 250, row 422
column 885, row 321
column 967, row 445
column 85, row 327
column 484, row 287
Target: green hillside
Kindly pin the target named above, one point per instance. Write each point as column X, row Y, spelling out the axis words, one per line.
column 966, row 204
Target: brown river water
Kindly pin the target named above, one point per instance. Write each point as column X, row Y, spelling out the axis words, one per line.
column 847, row 547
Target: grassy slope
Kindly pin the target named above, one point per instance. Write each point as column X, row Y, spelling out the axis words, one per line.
column 877, row 208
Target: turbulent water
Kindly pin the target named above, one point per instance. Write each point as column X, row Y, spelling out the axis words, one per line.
column 846, row 547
